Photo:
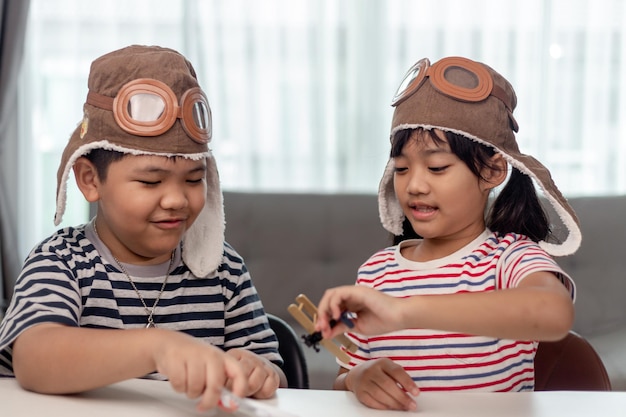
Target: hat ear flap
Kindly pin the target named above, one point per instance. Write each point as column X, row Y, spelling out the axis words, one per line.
column 389, row 210
column 203, row 243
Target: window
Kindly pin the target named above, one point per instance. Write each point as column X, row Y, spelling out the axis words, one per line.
column 300, row 89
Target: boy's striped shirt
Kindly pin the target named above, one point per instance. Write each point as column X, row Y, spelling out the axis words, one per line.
column 71, row 278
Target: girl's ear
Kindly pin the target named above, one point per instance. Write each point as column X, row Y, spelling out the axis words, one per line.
column 86, row 176
column 495, row 173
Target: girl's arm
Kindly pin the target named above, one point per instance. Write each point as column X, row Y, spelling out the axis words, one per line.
column 539, row 308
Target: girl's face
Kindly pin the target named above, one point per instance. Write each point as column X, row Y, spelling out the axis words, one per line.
column 443, row 200
column 147, row 203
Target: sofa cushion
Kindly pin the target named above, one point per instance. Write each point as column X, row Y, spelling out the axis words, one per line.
column 599, row 266
column 302, row 243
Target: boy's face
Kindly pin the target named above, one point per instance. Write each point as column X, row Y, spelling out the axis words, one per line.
column 147, row 203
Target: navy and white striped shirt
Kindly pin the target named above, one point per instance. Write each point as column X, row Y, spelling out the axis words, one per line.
column 71, row 278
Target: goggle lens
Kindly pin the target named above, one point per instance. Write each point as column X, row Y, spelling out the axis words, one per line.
column 145, row 107
column 461, row 77
column 411, row 81
column 196, row 115
column 201, row 115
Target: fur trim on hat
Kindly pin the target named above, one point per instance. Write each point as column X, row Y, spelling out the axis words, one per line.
column 392, row 216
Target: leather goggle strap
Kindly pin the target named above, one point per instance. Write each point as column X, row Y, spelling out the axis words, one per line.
column 100, row 101
column 499, row 93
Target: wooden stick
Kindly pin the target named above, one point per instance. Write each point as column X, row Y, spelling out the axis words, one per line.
column 305, row 312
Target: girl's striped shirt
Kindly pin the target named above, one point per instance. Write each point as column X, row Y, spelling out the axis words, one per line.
column 439, row 360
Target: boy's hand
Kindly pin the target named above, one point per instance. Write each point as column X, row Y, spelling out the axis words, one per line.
column 376, row 313
column 261, row 375
column 382, row 384
column 198, row 369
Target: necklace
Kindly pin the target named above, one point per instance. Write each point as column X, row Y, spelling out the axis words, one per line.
column 149, row 311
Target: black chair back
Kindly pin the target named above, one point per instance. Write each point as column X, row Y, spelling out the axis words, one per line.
column 290, row 348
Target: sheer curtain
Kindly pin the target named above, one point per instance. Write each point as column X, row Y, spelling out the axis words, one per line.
column 13, row 14
column 300, row 89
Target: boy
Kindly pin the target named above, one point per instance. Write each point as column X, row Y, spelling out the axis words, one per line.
column 152, row 263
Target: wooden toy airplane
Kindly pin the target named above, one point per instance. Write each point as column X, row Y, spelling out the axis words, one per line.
column 305, row 312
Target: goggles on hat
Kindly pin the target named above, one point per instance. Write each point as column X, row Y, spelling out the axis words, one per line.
column 148, row 107
column 456, row 77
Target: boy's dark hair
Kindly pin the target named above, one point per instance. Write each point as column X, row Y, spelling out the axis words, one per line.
column 102, row 158
column 516, row 209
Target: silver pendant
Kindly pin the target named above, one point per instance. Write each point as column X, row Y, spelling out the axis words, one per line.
column 150, row 324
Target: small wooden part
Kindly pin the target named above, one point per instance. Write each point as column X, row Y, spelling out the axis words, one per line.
column 305, row 312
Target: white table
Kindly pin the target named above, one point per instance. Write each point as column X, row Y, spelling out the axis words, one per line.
column 137, row 398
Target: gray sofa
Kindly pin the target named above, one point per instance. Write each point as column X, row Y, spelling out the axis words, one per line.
column 305, row 243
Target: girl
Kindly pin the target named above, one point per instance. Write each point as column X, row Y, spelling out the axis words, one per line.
column 461, row 303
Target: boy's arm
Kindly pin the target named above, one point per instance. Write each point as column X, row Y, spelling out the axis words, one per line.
column 57, row 359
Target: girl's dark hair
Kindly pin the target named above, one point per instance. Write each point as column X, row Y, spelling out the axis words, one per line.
column 407, row 233
column 102, row 158
column 516, row 209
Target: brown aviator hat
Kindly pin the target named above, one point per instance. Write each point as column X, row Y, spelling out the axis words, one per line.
column 145, row 100
column 470, row 99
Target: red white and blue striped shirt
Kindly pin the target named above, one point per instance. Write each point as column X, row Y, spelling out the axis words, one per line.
column 440, row 360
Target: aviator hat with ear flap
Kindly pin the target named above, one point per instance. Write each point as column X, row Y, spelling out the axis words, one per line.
column 145, row 100
column 471, row 99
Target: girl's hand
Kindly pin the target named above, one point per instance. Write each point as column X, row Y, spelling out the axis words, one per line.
column 376, row 313
column 382, row 384
column 262, row 376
